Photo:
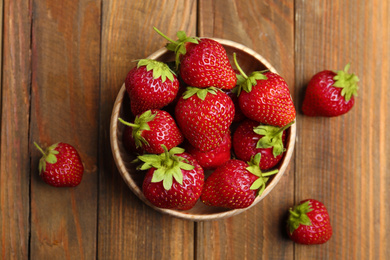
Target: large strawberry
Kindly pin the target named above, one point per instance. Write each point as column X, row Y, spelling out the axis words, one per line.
column 204, row 116
column 174, row 179
column 330, row 93
column 150, row 85
column 265, row 97
column 214, row 158
column 308, row 223
column 60, row 165
column 251, row 138
column 153, row 128
column 235, row 184
column 203, row 62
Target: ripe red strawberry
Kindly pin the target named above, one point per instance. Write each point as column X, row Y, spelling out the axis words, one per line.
column 174, row 179
column 203, row 62
column 308, row 223
column 204, row 116
column 265, row 98
column 60, row 165
column 235, row 184
column 150, row 85
column 214, row 158
column 330, row 93
column 152, row 129
column 251, row 138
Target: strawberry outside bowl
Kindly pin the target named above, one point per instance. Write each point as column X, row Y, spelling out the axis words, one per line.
column 249, row 61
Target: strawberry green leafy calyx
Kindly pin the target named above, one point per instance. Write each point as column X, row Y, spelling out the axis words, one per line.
column 298, row 216
column 179, row 46
column 346, row 81
column 309, row 223
column 168, row 166
column 140, row 124
column 272, row 137
column 254, row 168
column 199, row 92
column 245, row 82
column 49, row 156
column 159, row 69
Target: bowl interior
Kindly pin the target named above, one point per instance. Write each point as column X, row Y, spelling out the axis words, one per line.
column 249, row 61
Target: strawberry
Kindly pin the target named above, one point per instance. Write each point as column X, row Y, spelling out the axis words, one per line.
column 265, row 97
column 152, row 129
column 203, row 62
column 150, row 85
column 214, row 158
column 308, row 223
column 330, row 93
column 251, row 138
column 60, row 165
column 204, row 116
column 174, row 179
column 235, row 184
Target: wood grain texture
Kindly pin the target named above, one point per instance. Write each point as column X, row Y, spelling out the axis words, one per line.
column 65, row 106
column 343, row 161
column 63, row 63
column 268, row 28
column 128, row 229
column 15, row 161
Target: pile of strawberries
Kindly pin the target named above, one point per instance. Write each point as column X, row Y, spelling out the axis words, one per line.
column 197, row 115
column 203, row 130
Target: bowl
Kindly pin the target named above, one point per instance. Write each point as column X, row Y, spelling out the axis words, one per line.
column 249, row 61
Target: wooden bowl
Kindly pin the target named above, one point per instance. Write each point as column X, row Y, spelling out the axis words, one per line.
column 249, row 61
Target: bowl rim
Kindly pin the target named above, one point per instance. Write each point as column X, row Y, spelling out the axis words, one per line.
column 183, row 214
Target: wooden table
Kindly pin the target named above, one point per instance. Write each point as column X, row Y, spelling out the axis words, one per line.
column 63, row 63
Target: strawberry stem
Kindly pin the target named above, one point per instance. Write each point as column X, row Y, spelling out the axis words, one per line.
column 294, row 213
column 265, row 174
column 238, row 66
column 168, row 160
column 127, row 123
column 163, row 35
column 285, row 127
column 39, row 148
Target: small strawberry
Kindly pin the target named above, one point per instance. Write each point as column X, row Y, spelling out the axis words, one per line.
column 251, row 138
column 235, row 184
column 154, row 128
column 204, row 116
column 214, row 158
column 308, row 223
column 330, row 93
column 174, row 179
column 265, row 98
column 203, row 62
column 60, row 165
column 150, row 85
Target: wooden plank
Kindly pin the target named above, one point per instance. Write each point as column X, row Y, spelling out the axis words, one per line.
column 344, row 161
column 65, row 107
column 268, row 28
column 128, row 229
column 15, row 105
